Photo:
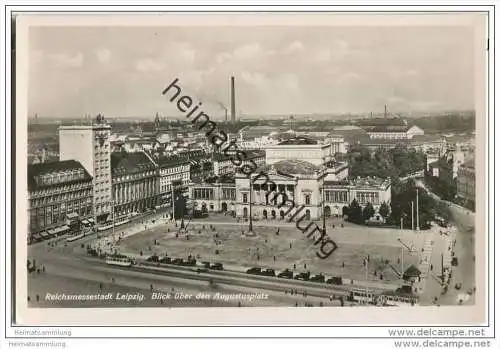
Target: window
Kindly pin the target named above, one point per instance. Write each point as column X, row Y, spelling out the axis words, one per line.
column 245, row 198
column 308, row 199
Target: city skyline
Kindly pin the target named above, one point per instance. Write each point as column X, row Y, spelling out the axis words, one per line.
column 278, row 70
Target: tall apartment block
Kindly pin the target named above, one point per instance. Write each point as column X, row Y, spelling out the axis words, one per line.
column 90, row 145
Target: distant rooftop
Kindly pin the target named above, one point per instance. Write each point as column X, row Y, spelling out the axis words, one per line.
column 291, row 167
column 370, row 182
column 123, row 162
column 299, row 141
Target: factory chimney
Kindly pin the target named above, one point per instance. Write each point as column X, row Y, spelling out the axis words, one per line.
column 233, row 102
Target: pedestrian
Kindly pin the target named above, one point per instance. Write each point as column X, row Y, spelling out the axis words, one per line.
column 290, row 245
column 274, row 257
column 294, row 266
column 29, row 299
column 343, row 264
column 43, row 268
column 305, row 266
column 38, row 298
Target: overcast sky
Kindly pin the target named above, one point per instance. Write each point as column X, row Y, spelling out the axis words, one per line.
column 278, row 70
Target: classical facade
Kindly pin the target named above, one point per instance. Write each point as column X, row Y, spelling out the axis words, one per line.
column 56, row 190
column 303, row 184
column 338, row 195
column 135, row 183
column 90, row 145
column 466, row 182
column 173, row 174
column 219, row 196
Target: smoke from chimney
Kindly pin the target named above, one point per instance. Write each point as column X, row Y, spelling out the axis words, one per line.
column 233, row 101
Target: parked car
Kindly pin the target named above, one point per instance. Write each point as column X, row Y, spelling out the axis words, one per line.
column 336, row 280
column 206, row 264
column 254, row 271
column 178, row 261
column 217, row 266
column 268, row 272
column 190, row 262
column 318, row 278
column 303, row 276
column 166, row 260
column 454, row 262
column 286, row 274
column 154, row 259
column 202, row 270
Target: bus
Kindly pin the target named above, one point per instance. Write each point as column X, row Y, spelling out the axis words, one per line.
column 119, row 260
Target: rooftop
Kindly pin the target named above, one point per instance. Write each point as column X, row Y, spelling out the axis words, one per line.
column 469, row 164
column 299, row 141
column 57, row 167
column 389, row 128
column 123, row 162
column 293, row 166
column 370, row 182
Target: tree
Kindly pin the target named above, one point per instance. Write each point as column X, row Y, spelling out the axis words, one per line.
column 384, row 210
column 355, row 213
column 368, row 212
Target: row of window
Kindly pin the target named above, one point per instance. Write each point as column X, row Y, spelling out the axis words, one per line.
column 39, row 219
column 72, row 196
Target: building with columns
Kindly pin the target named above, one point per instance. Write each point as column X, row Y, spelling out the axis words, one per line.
column 135, row 183
column 55, row 190
column 301, row 179
column 90, row 145
column 338, row 195
column 219, row 196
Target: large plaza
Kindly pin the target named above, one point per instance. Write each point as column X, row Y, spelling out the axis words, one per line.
column 281, row 246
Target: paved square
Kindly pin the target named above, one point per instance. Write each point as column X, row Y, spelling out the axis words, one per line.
column 237, row 250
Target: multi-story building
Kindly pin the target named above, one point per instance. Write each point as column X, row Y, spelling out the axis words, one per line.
column 338, row 195
column 55, row 190
column 173, row 172
column 90, row 145
column 394, row 132
column 466, row 182
column 222, row 164
column 301, row 148
column 219, row 196
column 135, row 183
column 302, row 182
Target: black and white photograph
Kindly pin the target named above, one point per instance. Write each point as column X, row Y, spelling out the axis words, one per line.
column 239, row 165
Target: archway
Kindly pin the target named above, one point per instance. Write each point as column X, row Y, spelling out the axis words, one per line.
column 328, row 211
column 282, row 214
column 308, row 214
column 273, row 214
column 264, row 214
column 245, row 212
column 345, row 211
column 224, row 207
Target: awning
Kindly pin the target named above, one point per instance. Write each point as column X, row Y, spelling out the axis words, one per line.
column 52, row 231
